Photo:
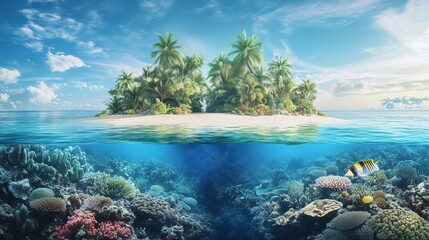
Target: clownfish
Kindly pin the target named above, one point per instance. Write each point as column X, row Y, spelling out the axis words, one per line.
column 363, row 168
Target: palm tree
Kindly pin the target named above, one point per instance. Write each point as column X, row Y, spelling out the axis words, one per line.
column 167, row 54
column 161, row 84
column 115, row 104
column 307, row 89
column 133, row 99
column 250, row 90
column 189, row 66
column 247, row 52
column 280, row 68
column 124, row 83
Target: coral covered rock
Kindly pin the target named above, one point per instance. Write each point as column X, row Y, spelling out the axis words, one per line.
column 154, row 210
column 399, row 224
column 321, row 208
column 20, row 189
column 349, row 220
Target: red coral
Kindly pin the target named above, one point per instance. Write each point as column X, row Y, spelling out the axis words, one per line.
column 114, row 230
column 84, row 220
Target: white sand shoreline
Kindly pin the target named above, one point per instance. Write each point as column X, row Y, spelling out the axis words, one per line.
column 218, row 120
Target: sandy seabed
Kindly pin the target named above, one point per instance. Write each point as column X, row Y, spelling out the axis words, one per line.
column 220, row 120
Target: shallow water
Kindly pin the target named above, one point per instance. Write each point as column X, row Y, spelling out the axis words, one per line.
column 362, row 126
column 234, row 174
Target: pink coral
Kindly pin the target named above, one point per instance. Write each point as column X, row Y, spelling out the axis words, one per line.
column 333, row 182
column 113, row 230
column 81, row 220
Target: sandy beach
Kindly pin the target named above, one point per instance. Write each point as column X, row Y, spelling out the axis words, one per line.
column 220, row 120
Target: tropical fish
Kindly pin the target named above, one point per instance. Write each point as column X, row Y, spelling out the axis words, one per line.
column 363, row 168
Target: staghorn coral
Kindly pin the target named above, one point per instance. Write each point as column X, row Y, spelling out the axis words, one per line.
column 50, row 204
column 333, row 182
column 349, row 220
column 399, row 224
column 321, row 208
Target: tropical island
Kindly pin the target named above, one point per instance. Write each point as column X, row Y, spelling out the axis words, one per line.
column 237, row 84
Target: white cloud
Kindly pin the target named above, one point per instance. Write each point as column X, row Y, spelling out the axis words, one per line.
column 9, row 76
column 36, row 46
column 4, row 97
column 114, row 65
column 155, row 8
column 315, row 13
column 42, row 93
column 410, row 26
column 44, row 25
column 91, row 87
column 90, row 47
column 59, row 62
column 212, row 6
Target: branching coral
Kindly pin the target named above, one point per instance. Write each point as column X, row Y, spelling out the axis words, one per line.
column 79, row 220
column 115, row 187
column 333, row 182
column 114, row 230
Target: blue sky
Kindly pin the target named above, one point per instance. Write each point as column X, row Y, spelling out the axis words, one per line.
column 66, row 54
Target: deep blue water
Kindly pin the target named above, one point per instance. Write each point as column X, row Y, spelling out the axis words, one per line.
column 362, row 126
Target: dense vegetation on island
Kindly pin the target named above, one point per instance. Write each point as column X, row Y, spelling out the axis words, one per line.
column 237, row 82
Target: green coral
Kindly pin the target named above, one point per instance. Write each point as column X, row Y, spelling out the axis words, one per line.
column 115, row 187
column 70, row 163
column 378, row 179
column 399, row 224
column 359, row 191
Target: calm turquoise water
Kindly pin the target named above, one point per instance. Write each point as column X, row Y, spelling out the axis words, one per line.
column 362, row 126
column 209, row 163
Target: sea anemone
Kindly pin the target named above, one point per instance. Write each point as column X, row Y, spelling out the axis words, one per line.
column 367, row 199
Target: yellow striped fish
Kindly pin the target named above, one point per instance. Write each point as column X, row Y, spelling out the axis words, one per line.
column 363, row 168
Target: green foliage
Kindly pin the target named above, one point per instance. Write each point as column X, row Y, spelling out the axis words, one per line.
column 159, row 108
column 260, row 109
column 181, row 109
column 305, row 107
column 129, row 112
column 289, row 106
column 104, row 113
column 236, row 79
column 114, row 187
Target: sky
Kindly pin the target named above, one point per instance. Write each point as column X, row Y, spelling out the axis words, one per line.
column 66, row 54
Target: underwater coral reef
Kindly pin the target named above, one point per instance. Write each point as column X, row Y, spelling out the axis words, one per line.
column 57, row 192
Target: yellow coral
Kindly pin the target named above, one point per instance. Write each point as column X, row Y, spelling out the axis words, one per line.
column 367, row 199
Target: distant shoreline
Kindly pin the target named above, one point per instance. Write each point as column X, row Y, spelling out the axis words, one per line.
column 221, row 120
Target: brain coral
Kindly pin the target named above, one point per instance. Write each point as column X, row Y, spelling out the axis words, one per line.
column 333, row 182
column 349, row 220
column 399, row 224
column 154, row 209
column 49, row 205
column 41, row 193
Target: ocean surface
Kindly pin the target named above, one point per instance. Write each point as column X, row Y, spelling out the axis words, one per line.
column 229, row 184
column 362, row 126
